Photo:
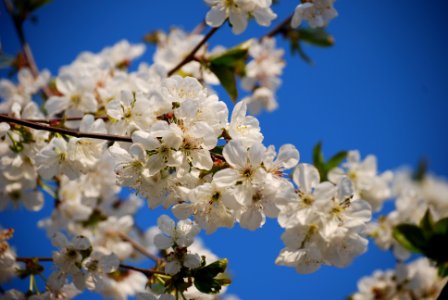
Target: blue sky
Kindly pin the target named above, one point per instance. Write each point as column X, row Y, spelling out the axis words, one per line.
column 381, row 89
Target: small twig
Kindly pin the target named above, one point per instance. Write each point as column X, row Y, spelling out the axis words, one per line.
column 279, row 28
column 190, row 56
column 27, row 259
column 147, row 272
column 139, row 248
column 18, row 25
column 38, row 126
column 199, row 28
column 144, row 271
column 59, row 120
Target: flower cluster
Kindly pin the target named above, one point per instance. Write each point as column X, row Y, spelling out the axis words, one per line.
column 77, row 259
column 263, row 75
column 238, row 13
column 318, row 13
column 164, row 133
column 8, row 264
column 369, row 185
column 416, row 280
column 324, row 225
column 414, row 196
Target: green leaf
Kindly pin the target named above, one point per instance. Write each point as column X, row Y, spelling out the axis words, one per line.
column 441, row 227
column 411, row 237
column 227, row 78
column 226, row 66
column 296, row 47
column 209, row 279
column 421, row 170
column 215, row 268
column 25, row 7
column 442, row 270
column 318, row 157
column 316, row 36
column 335, row 160
column 427, row 223
column 230, row 58
column 6, row 60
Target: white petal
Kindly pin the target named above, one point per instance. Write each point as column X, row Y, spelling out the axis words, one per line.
column 306, row 176
column 252, row 219
column 166, row 225
column 172, row 267
column 238, row 21
column 288, row 156
column 162, row 242
column 256, row 154
column 55, row 105
column 235, row 154
column 59, row 240
column 226, row 177
column 202, row 159
column 81, row 243
column 215, row 17
column 192, row 261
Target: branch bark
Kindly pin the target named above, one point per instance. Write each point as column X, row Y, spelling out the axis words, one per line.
column 140, row 248
column 190, row 56
column 38, row 126
column 18, row 25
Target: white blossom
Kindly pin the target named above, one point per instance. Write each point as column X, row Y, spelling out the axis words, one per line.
column 318, row 13
column 238, row 12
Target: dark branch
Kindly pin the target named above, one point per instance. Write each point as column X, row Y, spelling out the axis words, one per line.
column 190, row 56
column 280, row 28
column 18, row 25
column 37, row 126
column 140, row 248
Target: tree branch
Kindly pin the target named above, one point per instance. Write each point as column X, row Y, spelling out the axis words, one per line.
column 54, row 121
column 140, row 248
column 280, row 28
column 147, row 272
column 18, row 25
column 37, row 126
column 190, row 56
column 27, row 259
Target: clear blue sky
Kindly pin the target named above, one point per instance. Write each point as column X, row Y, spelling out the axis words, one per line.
column 381, row 89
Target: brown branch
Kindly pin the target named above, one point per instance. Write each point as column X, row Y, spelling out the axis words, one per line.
column 190, row 56
column 140, row 248
column 199, row 28
column 38, row 126
column 280, row 28
column 27, row 259
column 59, row 120
column 147, row 272
column 18, row 25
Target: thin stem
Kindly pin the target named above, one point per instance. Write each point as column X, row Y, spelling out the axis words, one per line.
column 49, row 259
column 280, row 28
column 37, row 126
column 18, row 25
column 190, row 56
column 139, row 248
column 58, row 120
column 144, row 271
column 27, row 259
column 199, row 28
